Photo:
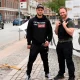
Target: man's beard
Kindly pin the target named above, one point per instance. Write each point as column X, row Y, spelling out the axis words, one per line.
column 40, row 14
column 64, row 16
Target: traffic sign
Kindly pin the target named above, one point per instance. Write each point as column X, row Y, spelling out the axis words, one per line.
column 22, row 0
column 23, row 4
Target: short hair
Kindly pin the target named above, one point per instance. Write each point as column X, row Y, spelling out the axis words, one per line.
column 62, row 7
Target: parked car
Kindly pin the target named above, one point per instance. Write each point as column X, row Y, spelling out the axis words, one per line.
column 16, row 21
column 25, row 20
column 1, row 24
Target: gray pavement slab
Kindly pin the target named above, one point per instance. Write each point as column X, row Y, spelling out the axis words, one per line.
column 12, row 55
column 38, row 71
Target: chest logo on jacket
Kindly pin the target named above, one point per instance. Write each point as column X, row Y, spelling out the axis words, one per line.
column 40, row 24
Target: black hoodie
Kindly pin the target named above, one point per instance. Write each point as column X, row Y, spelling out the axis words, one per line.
column 39, row 30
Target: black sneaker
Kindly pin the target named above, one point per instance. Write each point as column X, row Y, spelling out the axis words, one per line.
column 59, row 77
column 28, row 77
column 71, row 78
column 48, row 76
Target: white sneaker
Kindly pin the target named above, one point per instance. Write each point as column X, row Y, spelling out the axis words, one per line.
column 28, row 77
column 48, row 76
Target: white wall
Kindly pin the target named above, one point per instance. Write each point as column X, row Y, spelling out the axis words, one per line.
column 32, row 7
column 74, row 6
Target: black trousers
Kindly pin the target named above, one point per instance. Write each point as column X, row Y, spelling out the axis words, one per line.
column 32, row 57
column 64, row 52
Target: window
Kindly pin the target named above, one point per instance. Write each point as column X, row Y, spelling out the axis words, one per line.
column 0, row 4
column 0, row 16
column 10, row 4
column 5, row 3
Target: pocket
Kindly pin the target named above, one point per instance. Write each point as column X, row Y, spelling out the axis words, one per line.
column 46, row 49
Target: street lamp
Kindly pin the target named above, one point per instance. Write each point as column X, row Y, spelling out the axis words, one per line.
column 21, row 5
column 19, row 16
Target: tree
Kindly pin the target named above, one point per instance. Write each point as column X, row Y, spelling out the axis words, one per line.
column 54, row 5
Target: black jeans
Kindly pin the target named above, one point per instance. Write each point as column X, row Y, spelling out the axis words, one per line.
column 35, row 49
column 64, row 52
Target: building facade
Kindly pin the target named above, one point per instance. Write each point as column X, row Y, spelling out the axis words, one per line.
column 32, row 7
column 10, row 8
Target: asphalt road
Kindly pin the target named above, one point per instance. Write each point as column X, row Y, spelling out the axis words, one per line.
column 9, row 34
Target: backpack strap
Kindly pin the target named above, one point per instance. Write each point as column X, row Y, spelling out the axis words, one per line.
column 68, row 19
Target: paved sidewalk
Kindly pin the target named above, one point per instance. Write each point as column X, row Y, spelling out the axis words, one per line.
column 38, row 71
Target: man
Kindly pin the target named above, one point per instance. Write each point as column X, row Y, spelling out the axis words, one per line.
column 39, row 34
column 64, row 29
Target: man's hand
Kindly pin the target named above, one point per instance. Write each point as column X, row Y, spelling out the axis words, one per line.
column 28, row 46
column 46, row 43
column 64, row 24
column 58, row 23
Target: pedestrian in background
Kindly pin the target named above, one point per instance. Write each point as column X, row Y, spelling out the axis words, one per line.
column 39, row 35
column 64, row 29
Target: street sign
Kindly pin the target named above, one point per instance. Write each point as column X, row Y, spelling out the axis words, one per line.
column 23, row 0
column 23, row 4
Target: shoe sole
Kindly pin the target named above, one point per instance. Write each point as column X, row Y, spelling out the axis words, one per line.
column 60, row 79
column 48, row 79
